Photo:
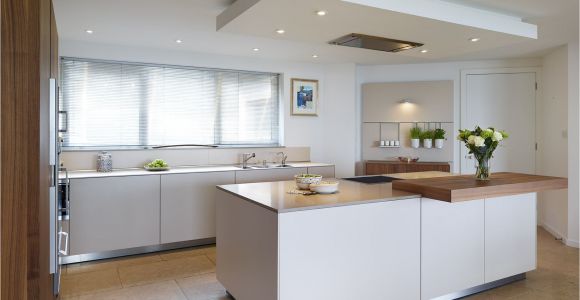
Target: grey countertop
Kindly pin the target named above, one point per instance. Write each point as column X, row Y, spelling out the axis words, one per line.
column 275, row 197
column 175, row 170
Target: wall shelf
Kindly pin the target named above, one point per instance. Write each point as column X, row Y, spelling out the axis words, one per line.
column 425, row 125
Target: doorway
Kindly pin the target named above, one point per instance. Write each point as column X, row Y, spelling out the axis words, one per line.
column 506, row 100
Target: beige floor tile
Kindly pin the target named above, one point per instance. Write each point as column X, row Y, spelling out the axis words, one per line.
column 121, row 294
column 187, row 252
column 203, row 287
column 92, row 282
column 166, row 290
column 165, row 270
column 113, row 263
column 212, row 257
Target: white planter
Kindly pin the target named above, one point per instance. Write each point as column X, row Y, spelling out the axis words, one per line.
column 439, row 143
column 428, row 144
column 415, row 143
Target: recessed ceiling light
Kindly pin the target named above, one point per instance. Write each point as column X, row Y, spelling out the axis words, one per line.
column 89, row 31
column 256, row 49
column 474, row 39
column 314, row 56
column 179, row 41
column 321, row 13
column 424, row 51
column 280, row 31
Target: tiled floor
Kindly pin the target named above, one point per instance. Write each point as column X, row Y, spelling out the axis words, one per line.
column 190, row 274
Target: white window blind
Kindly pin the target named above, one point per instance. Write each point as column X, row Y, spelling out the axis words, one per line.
column 112, row 104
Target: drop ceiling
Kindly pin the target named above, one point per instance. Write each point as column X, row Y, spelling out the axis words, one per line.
column 158, row 24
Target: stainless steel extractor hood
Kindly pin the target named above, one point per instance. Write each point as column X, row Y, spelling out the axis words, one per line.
column 358, row 40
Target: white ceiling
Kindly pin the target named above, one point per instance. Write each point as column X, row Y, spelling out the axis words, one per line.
column 157, row 24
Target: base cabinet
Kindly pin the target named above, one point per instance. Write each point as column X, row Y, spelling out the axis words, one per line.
column 510, row 236
column 114, row 213
column 188, row 205
column 452, row 246
column 269, row 175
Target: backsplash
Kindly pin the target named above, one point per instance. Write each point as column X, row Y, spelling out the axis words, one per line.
column 125, row 159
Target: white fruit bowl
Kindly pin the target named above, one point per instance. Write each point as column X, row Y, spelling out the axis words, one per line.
column 325, row 187
column 303, row 181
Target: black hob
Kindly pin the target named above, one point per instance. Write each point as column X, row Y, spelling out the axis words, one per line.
column 372, row 179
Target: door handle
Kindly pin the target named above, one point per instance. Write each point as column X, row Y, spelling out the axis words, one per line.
column 469, row 156
column 60, row 235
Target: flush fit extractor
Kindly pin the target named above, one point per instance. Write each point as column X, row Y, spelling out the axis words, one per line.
column 378, row 43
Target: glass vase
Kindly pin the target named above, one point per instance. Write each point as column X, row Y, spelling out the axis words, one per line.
column 482, row 168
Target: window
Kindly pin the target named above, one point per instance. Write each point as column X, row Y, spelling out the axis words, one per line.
column 126, row 105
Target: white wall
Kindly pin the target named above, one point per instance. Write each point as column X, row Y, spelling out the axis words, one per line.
column 337, row 94
column 573, row 144
column 427, row 72
column 552, row 124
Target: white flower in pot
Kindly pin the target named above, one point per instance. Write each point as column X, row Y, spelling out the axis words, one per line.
column 427, row 139
column 415, row 137
column 439, row 136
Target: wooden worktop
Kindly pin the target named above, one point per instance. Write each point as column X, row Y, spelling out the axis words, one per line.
column 466, row 187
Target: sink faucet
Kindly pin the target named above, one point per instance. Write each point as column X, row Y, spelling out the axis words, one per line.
column 284, row 157
column 245, row 158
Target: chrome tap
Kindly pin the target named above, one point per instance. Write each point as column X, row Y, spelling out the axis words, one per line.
column 284, row 157
column 245, row 158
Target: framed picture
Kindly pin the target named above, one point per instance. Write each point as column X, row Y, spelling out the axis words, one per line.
column 304, row 99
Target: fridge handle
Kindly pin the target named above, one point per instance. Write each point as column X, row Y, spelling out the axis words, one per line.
column 53, row 122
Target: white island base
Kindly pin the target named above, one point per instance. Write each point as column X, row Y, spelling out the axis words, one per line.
column 400, row 247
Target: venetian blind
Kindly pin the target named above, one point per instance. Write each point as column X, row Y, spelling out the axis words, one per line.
column 112, row 104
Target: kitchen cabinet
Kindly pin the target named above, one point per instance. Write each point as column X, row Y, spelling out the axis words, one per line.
column 325, row 171
column 114, row 213
column 452, row 246
column 375, row 167
column 188, row 205
column 510, row 235
column 268, row 175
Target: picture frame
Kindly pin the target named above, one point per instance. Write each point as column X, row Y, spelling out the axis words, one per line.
column 304, row 100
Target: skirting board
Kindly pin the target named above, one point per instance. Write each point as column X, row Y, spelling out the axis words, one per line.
column 72, row 259
column 557, row 235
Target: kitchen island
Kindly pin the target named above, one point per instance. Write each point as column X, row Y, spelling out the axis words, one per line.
column 376, row 241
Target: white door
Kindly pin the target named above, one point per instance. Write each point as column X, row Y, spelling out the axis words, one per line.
column 505, row 101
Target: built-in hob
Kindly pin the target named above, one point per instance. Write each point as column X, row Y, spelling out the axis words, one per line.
column 372, row 179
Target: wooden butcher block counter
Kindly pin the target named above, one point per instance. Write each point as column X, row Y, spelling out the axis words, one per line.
column 466, row 187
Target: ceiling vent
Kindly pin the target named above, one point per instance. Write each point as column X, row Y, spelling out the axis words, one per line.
column 358, row 40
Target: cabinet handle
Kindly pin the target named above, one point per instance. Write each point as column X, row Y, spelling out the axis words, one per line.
column 60, row 235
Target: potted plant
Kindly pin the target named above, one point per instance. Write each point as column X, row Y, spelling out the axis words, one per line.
column 415, row 137
column 427, row 137
column 439, row 136
column 481, row 143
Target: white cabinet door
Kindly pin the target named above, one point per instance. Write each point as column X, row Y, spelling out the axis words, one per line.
column 114, row 213
column 188, row 205
column 326, row 171
column 510, row 236
column 269, row 175
column 368, row 251
column 452, row 246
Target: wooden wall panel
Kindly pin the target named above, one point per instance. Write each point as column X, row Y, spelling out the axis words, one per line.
column 24, row 72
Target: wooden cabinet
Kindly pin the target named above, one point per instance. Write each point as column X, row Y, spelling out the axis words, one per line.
column 510, row 236
column 268, row 175
column 390, row 167
column 452, row 246
column 188, row 205
column 114, row 213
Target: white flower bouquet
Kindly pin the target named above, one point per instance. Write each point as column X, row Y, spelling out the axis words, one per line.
column 482, row 143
